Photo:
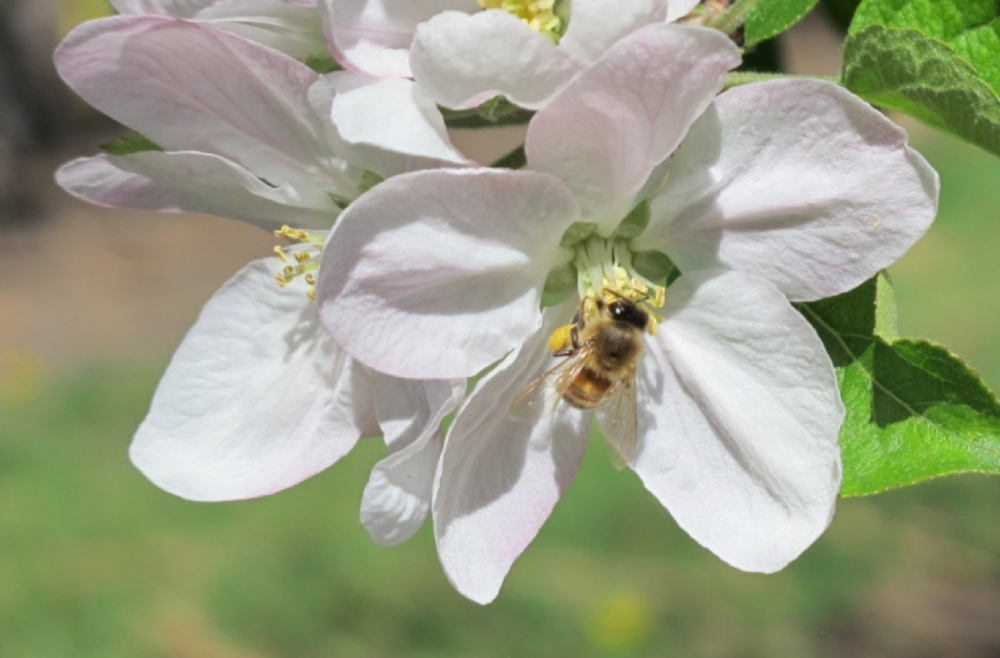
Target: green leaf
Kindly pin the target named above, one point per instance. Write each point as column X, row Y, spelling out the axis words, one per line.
column 971, row 28
column 936, row 60
column 914, row 411
column 769, row 18
column 561, row 279
column 129, row 144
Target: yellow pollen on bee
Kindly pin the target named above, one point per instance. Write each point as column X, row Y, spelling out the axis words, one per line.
column 538, row 14
column 561, row 338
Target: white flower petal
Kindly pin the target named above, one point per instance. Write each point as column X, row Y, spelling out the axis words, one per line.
column 596, row 25
column 438, row 274
column 189, row 87
column 680, row 8
column 256, row 399
column 97, row 181
column 202, row 182
column 373, row 36
column 739, row 418
column 398, row 495
column 800, row 182
column 394, row 115
column 294, row 28
column 500, row 478
column 463, row 60
column 608, row 129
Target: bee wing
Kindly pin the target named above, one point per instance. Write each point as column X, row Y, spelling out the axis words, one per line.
column 619, row 421
column 542, row 394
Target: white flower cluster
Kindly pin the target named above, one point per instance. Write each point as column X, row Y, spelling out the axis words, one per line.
column 677, row 222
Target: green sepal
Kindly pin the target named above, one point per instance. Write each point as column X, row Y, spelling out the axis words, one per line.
column 634, row 223
column 369, row 179
column 561, row 279
column 516, row 159
column 914, row 411
column 497, row 111
column 576, row 233
column 130, row 143
column 322, row 63
column 653, row 265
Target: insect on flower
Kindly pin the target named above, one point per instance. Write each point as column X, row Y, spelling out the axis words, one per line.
column 602, row 348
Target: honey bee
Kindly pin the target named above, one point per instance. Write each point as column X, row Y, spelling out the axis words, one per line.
column 598, row 373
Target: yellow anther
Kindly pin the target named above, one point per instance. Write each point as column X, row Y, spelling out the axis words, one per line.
column 287, row 231
column 561, row 338
column 655, row 319
column 302, row 259
column 659, row 297
column 538, row 14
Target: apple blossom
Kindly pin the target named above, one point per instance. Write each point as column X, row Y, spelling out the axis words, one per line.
column 463, row 52
column 257, row 396
column 788, row 190
column 291, row 26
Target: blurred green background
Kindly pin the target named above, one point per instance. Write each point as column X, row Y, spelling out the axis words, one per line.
column 95, row 562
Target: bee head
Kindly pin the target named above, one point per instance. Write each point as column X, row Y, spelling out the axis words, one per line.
column 627, row 311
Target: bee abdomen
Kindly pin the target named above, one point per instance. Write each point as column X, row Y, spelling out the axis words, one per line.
column 588, row 390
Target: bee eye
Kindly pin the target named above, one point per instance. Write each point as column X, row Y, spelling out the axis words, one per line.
column 616, row 310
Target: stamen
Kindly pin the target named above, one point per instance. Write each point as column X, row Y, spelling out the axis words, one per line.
column 538, row 14
column 605, row 272
column 302, row 258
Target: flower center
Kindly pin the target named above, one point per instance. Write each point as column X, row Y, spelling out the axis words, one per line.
column 540, row 15
column 301, row 258
column 605, row 273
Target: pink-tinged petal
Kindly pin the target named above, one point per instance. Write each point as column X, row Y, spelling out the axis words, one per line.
column 399, row 156
column 398, row 495
column 256, row 399
column 596, row 25
column 397, row 116
column 607, row 131
column 97, row 181
column 438, row 274
column 176, row 8
column 500, row 478
column 189, row 87
column 374, row 36
column 677, row 9
column 207, row 183
column 799, row 182
column 294, row 29
column 739, row 419
column 463, row 60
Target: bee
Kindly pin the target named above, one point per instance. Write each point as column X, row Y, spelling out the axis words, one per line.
column 598, row 372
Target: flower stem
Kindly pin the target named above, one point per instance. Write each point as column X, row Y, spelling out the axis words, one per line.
column 734, row 17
